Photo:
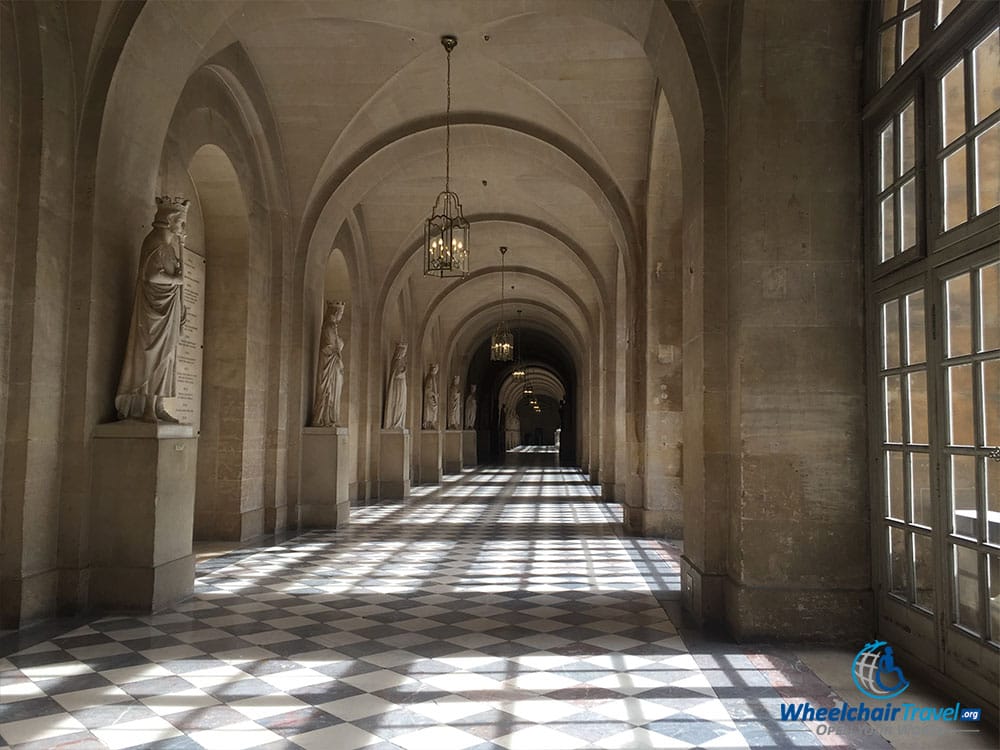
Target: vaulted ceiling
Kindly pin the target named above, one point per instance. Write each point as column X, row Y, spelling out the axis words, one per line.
column 551, row 113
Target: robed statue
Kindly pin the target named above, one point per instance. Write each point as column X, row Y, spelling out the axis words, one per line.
column 471, row 407
column 430, row 416
column 329, row 369
column 455, row 405
column 149, row 373
column 395, row 392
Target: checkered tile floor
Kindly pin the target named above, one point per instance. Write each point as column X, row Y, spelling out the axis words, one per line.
column 499, row 611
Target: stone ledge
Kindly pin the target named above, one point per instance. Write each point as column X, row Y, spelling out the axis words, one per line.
column 324, row 430
column 135, row 428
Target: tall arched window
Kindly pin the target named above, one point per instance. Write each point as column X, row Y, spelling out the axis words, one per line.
column 932, row 135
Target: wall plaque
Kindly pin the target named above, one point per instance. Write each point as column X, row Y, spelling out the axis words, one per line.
column 187, row 403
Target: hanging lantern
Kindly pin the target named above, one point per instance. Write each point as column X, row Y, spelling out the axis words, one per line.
column 446, row 233
column 502, row 341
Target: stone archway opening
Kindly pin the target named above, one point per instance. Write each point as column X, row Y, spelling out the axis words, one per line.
column 227, row 473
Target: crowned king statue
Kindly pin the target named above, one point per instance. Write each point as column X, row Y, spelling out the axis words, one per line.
column 149, row 373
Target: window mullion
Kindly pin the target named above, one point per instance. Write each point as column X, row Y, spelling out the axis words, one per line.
column 936, row 439
column 971, row 191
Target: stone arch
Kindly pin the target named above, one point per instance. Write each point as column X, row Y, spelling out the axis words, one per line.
column 553, row 322
column 382, row 150
column 220, row 150
column 514, row 272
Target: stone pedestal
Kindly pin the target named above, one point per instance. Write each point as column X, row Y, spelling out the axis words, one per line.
column 143, row 485
column 430, row 457
column 324, row 500
column 394, row 464
column 453, row 452
column 469, row 457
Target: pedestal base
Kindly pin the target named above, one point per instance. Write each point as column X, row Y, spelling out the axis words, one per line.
column 702, row 594
column 430, row 457
column 324, row 502
column 453, row 452
column 144, row 485
column 394, row 465
column 469, row 457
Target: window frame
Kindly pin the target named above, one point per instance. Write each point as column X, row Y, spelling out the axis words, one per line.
column 965, row 661
column 936, row 150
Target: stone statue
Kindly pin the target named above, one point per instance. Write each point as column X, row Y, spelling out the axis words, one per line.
column 329, row 370
column 395, row 393
column 149, row 373
column 430, row 420
column 455, row 405
column 471, row 405
column 513, row 429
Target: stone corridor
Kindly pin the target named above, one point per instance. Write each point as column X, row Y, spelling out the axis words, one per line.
column 501, row 610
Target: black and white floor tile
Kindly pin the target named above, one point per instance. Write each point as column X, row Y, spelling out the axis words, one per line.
column 500, row 611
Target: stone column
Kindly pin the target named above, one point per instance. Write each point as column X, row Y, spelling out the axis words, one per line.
column 453, row 452
column 324, row 500
column 797, row 547
column 430, row 457
column 144, row 484
column 469, row 452
column 394, row 469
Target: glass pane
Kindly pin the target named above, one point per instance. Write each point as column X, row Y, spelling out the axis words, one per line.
column 944, row 8
column 889, row 9
column 993, row 570
column 963, row 496
column 893, row 410
column 887, row 53
column 993, row 502
column 899, row 579
column 967, row 588
column 908, row 215
column 885, row 157
column 986, row 72
column 989, row 307
column 910, row 3
column 890, row 334
column 956, row 209
column 911, row 37
column 953, row 103
column 960, row 405
column 958, row 293
column 894, row 484
column 906, row 142
column 923, row 558
column 991, row 402
column 918, row 408
column 988, row 169
column 920, row 488
column 915, row 339
column 888, row 233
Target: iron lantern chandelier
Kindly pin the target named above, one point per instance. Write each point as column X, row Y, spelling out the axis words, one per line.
column 502, row 341
column 446, row 232
column 519, row 368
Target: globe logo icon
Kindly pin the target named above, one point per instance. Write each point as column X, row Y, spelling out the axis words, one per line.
column 875, row 672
